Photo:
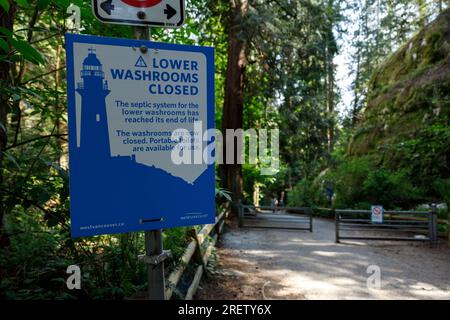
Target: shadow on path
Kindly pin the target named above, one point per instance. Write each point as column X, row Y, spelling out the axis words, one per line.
column 280, row 264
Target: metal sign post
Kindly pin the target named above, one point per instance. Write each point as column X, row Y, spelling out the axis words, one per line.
column 155, row 256
column 154, row 253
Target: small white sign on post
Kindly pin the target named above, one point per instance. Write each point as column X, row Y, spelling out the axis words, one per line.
column 377, row 214
column 153, row 13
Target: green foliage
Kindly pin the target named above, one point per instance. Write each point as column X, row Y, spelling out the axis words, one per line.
column 176, row 241
column 34, row 265
column 359, row 183
column 390, row 189
column 307, row 193
column 221, row 192
column 404, row 128
column 288, row 84
column 16, row 47
column 374, row 41
column 426, row 154
column 348, row 178
column 442, row 189
column 34, row 193
column 5, row 5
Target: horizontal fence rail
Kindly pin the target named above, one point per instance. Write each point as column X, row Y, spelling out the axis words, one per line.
column 196, row 251
column 291, row 218
column 396, row 226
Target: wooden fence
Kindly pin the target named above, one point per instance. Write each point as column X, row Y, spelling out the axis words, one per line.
column 196, row 251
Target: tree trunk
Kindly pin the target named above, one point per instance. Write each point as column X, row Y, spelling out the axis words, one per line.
column 231, row 174
column 6, row 21
column 356, row 91
column 330, row 97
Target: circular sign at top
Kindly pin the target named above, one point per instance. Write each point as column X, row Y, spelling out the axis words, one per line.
column 151, row 13
column 142, row 3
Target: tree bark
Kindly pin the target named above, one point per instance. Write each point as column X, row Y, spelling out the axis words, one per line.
column 231, row 174
column 6, row 21
column 330, row 107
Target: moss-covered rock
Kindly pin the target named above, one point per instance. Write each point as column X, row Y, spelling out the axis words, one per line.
column 405, row 123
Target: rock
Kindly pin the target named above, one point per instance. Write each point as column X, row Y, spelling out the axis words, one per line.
column 411, row 85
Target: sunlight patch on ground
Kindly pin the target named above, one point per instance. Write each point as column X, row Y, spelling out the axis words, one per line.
column 331, row 253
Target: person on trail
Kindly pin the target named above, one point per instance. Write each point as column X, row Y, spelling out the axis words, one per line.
column 274, row 203
column 282, row 199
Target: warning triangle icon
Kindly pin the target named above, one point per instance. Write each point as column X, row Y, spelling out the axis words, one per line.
column 140, row 63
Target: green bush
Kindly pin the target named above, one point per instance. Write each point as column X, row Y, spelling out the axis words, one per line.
column 308, row 193
column 34, row 264
column 349, row 178
column 301, row 195
column 442, row 189
column 390, row 189
column 360, row 183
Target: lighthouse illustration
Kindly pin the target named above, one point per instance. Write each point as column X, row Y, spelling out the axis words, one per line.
column 93, row 90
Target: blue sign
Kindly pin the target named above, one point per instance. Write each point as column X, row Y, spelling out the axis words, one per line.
column 141, row 142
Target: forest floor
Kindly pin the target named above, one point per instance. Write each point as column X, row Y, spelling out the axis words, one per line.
column 280, row 264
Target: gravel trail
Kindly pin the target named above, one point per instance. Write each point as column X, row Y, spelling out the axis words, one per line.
column 280, row 264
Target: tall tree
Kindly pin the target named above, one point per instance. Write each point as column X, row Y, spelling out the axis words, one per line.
column 7, row 15
column 231, row 173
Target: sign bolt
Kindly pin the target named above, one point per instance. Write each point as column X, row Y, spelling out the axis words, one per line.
column 143, row 49
column 141, row 15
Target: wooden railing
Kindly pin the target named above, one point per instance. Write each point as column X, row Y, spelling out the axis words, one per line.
column 196, row 251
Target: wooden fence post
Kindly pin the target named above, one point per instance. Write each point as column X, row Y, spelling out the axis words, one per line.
column 336, row 223
column 198, row 255
column 241, row 214
column 434, row 225
column 448, row 235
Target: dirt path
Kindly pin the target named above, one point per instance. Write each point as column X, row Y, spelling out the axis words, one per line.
column 279, row 264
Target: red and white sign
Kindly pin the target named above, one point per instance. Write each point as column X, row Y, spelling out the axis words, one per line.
column 157, row 13
column 377, row 214
column 142, row 3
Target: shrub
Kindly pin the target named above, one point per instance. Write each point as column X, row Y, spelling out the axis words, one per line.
column 348, row 180
column 301, row 195
column 442, row 189
column 360, row 183
column 308, row 193
column 390, row 189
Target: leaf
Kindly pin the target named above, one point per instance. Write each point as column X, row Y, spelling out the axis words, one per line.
column 23, row 3
column 52, row 221
column 28, row 51
column 3, row 44
column 62, row 173
column 5, row 31
column 4, row 4
column 43, row 198
column 16, row 58
column 43, row 4
column 11, row 158
column 227, row 196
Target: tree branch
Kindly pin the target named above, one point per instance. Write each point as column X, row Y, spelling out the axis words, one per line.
column 43, row 75
column 60, row 136
column 19, row 120
column 62, row 222
column 31, row 25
